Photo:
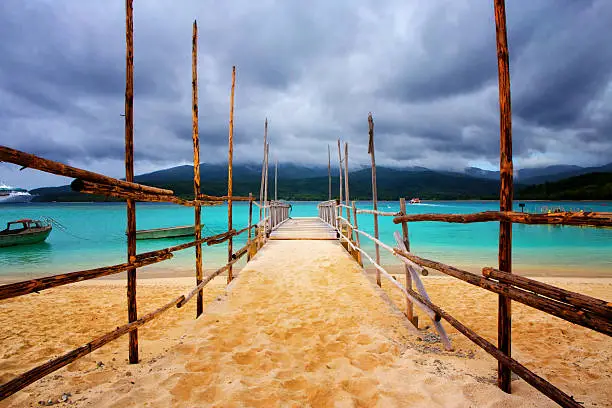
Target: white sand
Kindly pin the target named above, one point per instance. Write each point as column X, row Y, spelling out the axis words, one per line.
column 304, row 329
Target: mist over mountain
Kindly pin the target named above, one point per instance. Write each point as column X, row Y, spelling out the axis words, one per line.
column 299, row 182
column 539, row 175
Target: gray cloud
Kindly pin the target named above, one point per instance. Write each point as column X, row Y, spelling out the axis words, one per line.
column 427, row 71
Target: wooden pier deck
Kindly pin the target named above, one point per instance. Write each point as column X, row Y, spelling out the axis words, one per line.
column 302, row 325
column 306, row 228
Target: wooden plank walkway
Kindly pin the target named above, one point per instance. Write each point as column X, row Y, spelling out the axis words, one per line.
column 306, row 228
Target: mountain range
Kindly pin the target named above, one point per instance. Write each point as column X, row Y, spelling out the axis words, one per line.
column 297, row 182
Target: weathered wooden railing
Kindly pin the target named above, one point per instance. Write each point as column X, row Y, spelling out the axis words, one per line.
column 586, row 311
column 94, row 183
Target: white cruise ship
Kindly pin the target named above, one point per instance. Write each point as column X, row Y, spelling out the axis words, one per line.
column 14, row 195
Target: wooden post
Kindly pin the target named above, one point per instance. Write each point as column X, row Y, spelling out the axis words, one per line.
column 250, row 215
column 230, row 182
column 196, row 164
column 358, row 254
column 406, row 240
column 346, row 183
column 263, row 169
column 340, row 168
column 374, row 192
column 329, row 195
column 504, row 317
column 129, row 176
column 276, row 180
column 266, row 209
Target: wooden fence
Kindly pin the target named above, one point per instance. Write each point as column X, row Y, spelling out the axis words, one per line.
column 586, row 311
column 93, row 183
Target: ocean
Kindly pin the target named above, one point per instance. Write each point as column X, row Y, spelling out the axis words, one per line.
column 90, row 235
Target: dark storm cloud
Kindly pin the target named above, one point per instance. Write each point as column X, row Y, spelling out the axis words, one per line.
column 427, row 71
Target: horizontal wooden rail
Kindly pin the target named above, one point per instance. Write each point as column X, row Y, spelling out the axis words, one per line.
column 326, row 203
column 87, row 187
column 207, row 197
column 570, row 313
column 245, row 229
column 50, row 366
column 424, row 308
column 36, row 285
column 236, row 257
column 595, row 219
column 211, row 240
column 203, row 283
column 383, row 213
column 530, row 377
column 28, row 160
column 344, row 220
column 594, row 305
column 416, row 266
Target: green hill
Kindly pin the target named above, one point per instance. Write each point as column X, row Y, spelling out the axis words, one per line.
column 591, row 186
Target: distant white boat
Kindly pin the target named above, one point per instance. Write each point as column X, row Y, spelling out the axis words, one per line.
column 12, row 195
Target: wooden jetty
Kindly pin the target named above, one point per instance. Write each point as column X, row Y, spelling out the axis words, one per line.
column 306, row 228
column 320, row 254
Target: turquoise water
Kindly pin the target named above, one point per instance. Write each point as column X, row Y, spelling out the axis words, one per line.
column 95, row 236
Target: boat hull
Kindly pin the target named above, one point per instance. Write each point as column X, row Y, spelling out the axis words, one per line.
column 25, row 238
column 171, row 232
column 16, row 198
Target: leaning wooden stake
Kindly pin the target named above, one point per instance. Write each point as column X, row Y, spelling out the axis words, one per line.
column 196, row 165
column 129, row 176
column 406, row 242
column 230, row 159
column 374, row 191
column 504, row 319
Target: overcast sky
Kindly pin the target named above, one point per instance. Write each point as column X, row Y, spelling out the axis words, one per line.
column 427, row 71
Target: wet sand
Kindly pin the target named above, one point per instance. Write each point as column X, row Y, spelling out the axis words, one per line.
column 286, row 335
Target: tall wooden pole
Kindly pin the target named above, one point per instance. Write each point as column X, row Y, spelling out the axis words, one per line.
column 374, row 192
column 339, row 212
column 266, row 210
column 504, row 316
column 340, row 172
column 276, row 180
column 249, row 253
column 346, row 183
column 329, row 196
column 263, row 170
column 196, row 164
column 230, row 182
column 129, row 175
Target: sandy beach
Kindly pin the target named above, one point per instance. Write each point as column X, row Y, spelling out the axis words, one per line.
column 285, row 336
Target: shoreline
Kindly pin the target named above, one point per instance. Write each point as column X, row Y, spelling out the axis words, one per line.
column 187, row 271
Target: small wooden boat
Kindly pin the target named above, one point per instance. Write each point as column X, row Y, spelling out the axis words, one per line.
column 168, row 232
column 24, row 232
column 415, row 201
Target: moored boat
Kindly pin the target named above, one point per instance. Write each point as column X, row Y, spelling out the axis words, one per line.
column 12, row 195
column 24, row 232
column 415, row 201
column 168, row 232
